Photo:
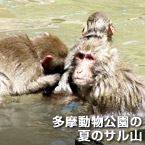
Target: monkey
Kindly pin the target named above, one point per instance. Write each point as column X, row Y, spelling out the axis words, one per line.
column 98, row 26
column 52, row 59
column 96, row 74
column 53, row 63
column 30, row 65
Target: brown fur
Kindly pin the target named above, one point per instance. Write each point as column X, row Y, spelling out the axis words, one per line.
column 20, row 68
column 100, row 26
column 116, row 88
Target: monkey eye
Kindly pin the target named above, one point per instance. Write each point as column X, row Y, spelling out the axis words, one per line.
column 90, row 57
column 80, row 55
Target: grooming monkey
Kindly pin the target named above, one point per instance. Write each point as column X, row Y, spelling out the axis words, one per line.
column 30, row 65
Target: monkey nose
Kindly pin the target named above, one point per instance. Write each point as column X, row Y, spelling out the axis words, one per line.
column 79, row 71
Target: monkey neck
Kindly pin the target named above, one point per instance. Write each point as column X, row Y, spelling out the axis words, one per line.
column 84, row 92
column 103, row 37
column 119, row 96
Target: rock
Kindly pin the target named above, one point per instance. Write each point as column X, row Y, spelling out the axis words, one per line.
column 92, row 142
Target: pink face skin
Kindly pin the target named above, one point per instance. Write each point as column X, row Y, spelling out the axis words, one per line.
column 111, row 28
column 83, row 73
column 46, row 61
column 84, row 31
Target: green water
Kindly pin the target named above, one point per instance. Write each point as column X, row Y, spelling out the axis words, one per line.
column 28, row 121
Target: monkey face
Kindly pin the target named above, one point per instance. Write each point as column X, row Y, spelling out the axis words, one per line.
column 93, row 61
column 83, row 73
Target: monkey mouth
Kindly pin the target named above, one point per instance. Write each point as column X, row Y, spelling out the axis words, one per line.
column 77, row 78
column 80, row 81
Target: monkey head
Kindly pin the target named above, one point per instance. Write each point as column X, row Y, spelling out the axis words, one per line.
column 98, row 25
column 51, row 52
column 93, row 60
column 51, row 65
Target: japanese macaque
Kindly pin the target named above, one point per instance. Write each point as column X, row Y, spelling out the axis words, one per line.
column 30, row 65
column 95, row 73
column 100, row 26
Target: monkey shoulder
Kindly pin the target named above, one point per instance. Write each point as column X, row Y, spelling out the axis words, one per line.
column 15, row 44
column 50, row 45
column 16, row 53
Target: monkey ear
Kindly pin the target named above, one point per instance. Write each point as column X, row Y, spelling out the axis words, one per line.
column 46, row 34
column 46, row 61
column 85, row 29
column 111, row 28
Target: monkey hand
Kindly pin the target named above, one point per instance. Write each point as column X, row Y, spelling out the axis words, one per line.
column 63, row 86
column 53, row 79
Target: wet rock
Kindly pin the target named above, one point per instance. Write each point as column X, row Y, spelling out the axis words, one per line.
column 92, row 142
column 138, row 131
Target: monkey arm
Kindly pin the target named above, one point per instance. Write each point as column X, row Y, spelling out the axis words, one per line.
column 70, row 57
column 37, row 85
column 63, row 85
column 43, row 82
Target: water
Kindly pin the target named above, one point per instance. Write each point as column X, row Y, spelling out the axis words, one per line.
column 28, row 120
